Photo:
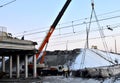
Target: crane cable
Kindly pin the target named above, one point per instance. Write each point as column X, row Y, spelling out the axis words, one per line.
column 101, row 34
column 87, row 36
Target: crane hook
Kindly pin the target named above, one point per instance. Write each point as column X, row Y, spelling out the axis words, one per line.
column 92, row 4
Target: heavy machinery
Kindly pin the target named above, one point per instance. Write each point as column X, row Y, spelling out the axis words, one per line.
column 40, row 66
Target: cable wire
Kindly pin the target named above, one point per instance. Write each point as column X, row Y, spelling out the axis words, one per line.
column 87, row 37
column 7, row 3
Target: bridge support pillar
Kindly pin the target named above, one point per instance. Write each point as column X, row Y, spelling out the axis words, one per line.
column 18, row 66
column 3, row 63
column 26, row 66
column 34, row 68
column 10, row 63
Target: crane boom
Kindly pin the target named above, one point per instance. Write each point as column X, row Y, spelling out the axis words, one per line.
column 52, row 28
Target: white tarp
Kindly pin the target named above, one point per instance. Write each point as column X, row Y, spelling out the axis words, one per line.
column 94, row 60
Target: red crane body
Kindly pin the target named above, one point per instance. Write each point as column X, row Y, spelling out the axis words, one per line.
column 51, row 30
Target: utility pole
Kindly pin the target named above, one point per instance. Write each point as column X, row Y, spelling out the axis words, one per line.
column 87, row 33
column 87, row 36
column 67, row 45
column 115, row 46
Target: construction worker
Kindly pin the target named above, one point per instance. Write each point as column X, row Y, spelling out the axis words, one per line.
column 66, row 71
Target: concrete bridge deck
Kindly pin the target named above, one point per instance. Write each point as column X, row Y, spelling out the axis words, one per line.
column 16, row 49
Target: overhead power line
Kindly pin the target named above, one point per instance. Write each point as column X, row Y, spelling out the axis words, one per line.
column 72, row 25
column 80, row 40
column 7, row 3
column 77, row 33
column 115, row 11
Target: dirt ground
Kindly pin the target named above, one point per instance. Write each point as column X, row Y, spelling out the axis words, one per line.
column 62, row 79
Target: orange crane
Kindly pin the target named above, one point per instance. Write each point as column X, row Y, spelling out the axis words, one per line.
column 51, row 30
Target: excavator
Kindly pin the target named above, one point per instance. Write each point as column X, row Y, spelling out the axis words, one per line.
column 40, row 55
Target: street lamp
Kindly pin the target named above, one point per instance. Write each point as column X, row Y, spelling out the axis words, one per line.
column 109, row 28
